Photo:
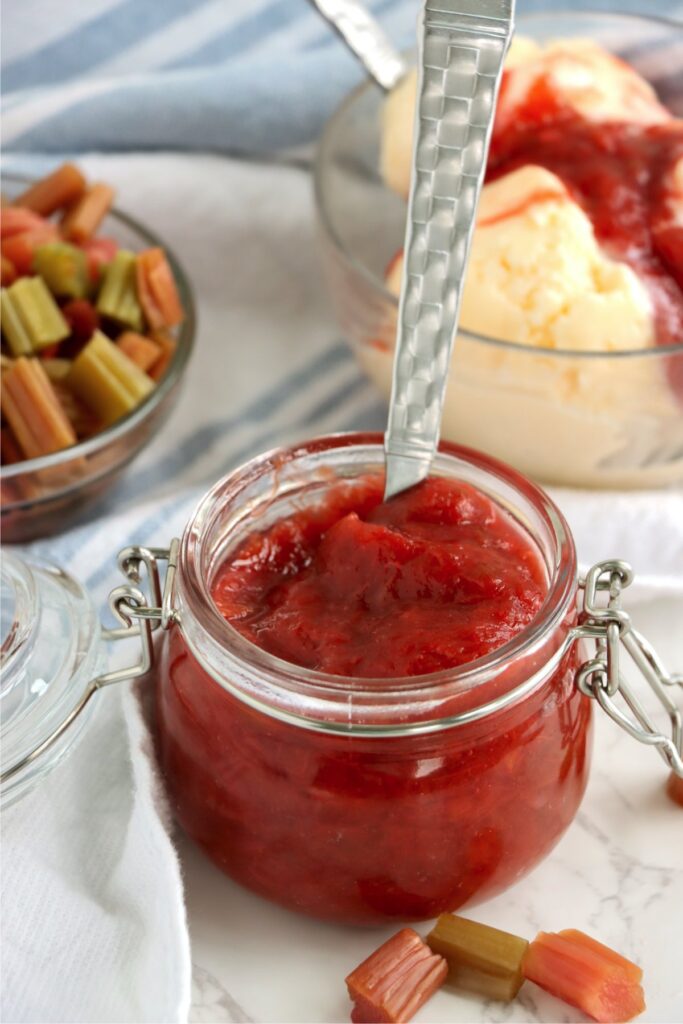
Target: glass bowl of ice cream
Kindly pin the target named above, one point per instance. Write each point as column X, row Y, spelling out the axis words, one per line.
column 569, row 359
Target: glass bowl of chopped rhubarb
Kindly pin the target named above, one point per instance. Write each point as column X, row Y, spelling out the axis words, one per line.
column 569, row 361
column 97, row 329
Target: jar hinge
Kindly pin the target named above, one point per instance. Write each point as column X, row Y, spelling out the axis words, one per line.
column 600, row 677
column 129, row 603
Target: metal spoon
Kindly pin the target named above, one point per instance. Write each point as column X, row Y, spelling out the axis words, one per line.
column 461, row 50
column 462, row 47
column 365, row 39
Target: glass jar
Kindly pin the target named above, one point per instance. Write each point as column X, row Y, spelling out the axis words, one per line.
column 363, row 800
column 353, row 799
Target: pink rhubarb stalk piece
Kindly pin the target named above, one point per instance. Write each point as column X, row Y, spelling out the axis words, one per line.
column 674, row 788
column 583, row 972
column 396, row 980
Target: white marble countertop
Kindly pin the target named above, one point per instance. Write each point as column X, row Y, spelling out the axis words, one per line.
column 617, row 874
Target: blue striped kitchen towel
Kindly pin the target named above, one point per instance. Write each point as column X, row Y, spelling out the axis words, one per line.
column 218, row 75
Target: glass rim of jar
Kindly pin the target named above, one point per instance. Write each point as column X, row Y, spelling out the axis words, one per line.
column 321, row 162
column 331, row 701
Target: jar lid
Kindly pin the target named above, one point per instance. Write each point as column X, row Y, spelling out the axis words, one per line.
column 51, row 650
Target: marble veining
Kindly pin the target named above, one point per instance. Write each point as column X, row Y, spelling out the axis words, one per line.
column 211, row 1004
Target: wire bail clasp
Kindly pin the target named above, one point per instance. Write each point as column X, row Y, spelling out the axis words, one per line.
column 139, row 616
column 600, row 678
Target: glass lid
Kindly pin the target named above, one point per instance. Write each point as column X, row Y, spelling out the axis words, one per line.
column 51, row 650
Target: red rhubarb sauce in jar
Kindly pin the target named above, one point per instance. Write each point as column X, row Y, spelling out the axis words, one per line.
column 433, row 579
column 368, row 711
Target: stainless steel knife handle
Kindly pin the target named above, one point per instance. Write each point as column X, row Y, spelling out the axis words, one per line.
column 366, row 40
column 462, row 47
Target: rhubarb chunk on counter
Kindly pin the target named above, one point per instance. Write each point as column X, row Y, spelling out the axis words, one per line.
column 674, row 788
column 480, row 959
column 583, row 972
column 396, row 980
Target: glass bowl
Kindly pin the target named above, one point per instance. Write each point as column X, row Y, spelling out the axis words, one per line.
column 588, row 419
column 41, row 497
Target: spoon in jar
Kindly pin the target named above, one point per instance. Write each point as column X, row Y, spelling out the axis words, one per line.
column 461, row 50
column 462, row 47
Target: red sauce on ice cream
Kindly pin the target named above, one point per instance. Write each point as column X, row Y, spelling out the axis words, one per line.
column 433, row 579
column 621, row 174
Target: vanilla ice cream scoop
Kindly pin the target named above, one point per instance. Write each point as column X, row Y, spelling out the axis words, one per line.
column 537, row 275
column 578, row 73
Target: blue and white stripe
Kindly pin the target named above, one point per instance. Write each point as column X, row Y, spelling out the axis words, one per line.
column 215, row 75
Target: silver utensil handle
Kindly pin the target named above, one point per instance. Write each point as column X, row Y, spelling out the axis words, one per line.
column 366, row 40
column 462, row 47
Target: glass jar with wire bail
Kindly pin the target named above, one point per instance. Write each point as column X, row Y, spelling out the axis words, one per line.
column 360, row 799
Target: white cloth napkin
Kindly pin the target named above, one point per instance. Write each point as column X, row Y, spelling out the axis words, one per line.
column 93, row 926
column 92, row 906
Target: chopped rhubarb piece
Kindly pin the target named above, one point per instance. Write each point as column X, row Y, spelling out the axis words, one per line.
column 49, row 352
column 674, row 788
column 21, row 248
column 393, row 983
column 480, row 959
column 31, row 319
column 83, row 218
column 157, row 291
column 82, row 318
column 106, row 380
column 56, row 190
column 100, row 252
column 9, row 272
column 583, row 972
column 56, row 368
column 10, row 452
column 81, row 418
column 168, row 345
column 63, row 268
column 32, row 409
column 15, row 221
column 143, row 351
column 118, row 296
